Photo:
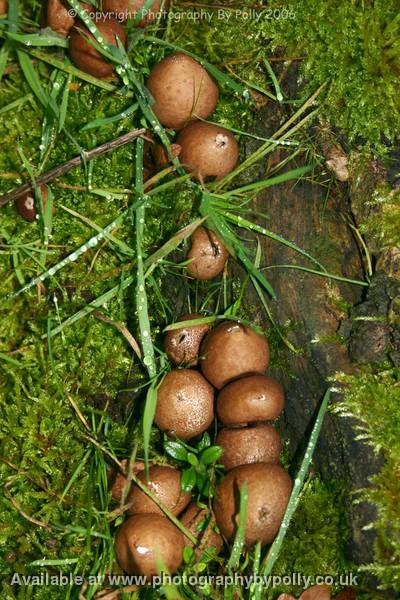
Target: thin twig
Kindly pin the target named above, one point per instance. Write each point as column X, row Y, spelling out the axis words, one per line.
column 71, row 164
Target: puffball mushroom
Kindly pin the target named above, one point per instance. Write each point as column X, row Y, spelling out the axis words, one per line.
column 182, row 90
column 118, row 479
column 249, row 400
column 207, row 254
column 85, row 56
column 247, row 445
column 165, row 483
column 268, row 489
column 233, row 350
column 3, row 7
column 182, row 345
column 185, row 404
column 208, row 151
column 25, row 205
column 160, row 155
column 197, row 521
column 144, row 540
column 128, row 9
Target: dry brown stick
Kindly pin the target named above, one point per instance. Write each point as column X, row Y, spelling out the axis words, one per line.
column 71, row 164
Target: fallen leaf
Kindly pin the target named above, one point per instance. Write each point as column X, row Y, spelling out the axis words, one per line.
column 317, row 592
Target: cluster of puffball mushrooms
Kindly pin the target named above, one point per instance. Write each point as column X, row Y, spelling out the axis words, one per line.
column 184, row 93
column 230, row 360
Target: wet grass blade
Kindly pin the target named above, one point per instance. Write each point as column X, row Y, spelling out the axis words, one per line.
column 237, row 548
column 319, row 273
column 266, row 183
column 103, row 122
column 273, row 552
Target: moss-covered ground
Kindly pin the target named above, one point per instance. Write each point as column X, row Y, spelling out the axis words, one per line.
column 69, row 401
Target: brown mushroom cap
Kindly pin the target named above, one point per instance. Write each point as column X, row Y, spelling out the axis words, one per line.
column 143, row 540
column 128, row 9
column 182, row 90
column 160, row 154
column 185, row 404
column 85, row 56
column 195, row 519
column 3, row 7
column 118, row 479
column 250, row 399
column 208, row 151
column 182, row 345
column 58, row 17
column 268, row 489
column 207, row 254
column 232, row 350
column 25, row 205
column 248, row 445
column 165, row 483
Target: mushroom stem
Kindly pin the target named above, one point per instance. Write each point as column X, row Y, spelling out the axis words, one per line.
column 71, row 164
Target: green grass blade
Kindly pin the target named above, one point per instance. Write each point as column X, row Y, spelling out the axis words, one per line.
column 147, row 421
column 319, row 273
column 265, row 183
column 273, row 552
column 103, row 122
column 44, row 39
column 237, row 548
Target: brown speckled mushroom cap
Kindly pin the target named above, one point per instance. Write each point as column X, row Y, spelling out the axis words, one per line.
column 142, row 540
column 207, row 254
column 197, row 520
column 233, row 350
column 208, row 151
column 185, row 404
column 165, row 483
column 26, row 204
column 128, row 9
column 118, row 479
column 182, row 89
column 248, row 445
column 249, row 400
column 85, row 56
column 268, row 489
column 182, row 345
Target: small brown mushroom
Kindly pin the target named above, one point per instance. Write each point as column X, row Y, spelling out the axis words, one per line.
column 182, row 345
column 182, row 90
column 197, row 521
column 248, row 445
column 25, row 205
column 85, row 56
column 3, row 7
column 128, row 9
column 268, row 490
column 143, row 541
column 59, row 16
column 185, row 404
column 232, row 350
column 249, row 400
column 118, row 479
column 160, row 156
column 208, row 151
column 207, row 254
column 165, row 483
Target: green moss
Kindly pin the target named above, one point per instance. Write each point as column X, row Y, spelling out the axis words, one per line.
column 373, row 398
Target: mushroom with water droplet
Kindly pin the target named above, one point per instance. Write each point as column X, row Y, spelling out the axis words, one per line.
column 25, row 205
column 165, row 483
column 145, row 540
column 85, row 56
